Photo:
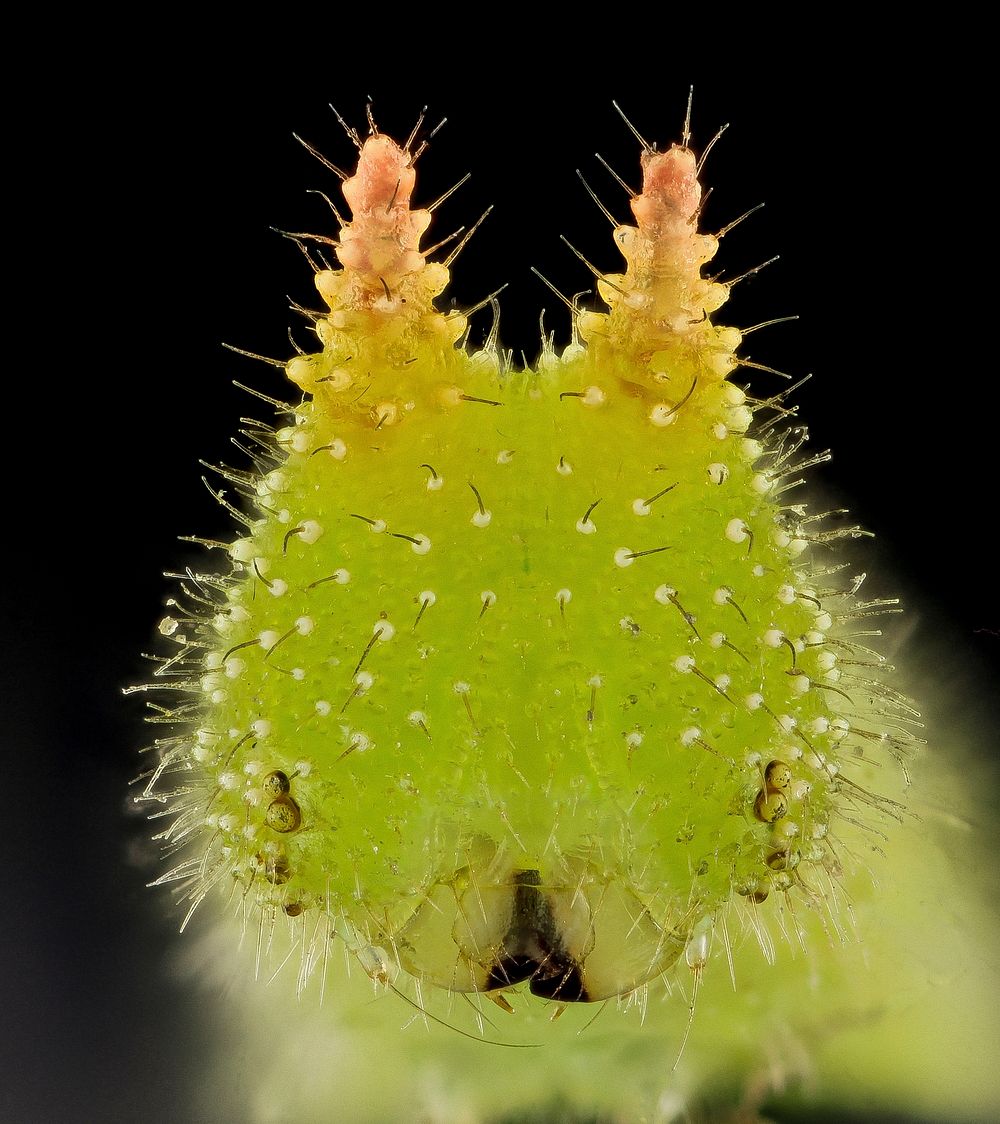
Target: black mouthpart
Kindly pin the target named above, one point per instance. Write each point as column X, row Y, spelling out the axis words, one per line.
column 532, row 949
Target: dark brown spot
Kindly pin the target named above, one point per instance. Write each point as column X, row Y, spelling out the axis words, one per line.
column 283, row 814
column 276, row 784
column 778, row 776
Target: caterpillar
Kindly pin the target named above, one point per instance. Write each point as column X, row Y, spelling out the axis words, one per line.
column 528, row 696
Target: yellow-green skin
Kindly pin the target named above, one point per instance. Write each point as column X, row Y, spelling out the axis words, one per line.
column 482, row 623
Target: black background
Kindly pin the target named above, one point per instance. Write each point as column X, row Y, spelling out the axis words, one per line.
column 153, row 179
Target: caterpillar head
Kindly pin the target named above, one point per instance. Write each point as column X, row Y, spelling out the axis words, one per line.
column 518, row 679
